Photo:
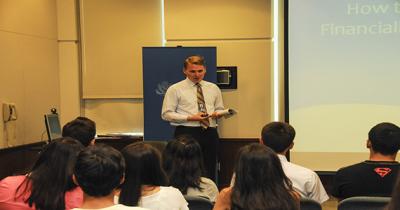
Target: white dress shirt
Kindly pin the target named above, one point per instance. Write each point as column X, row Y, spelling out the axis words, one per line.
column 304, row 180
column 180, row 102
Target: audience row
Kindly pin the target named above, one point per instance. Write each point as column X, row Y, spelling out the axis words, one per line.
column 75, row 173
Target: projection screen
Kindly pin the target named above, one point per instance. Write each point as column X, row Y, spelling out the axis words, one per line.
column 342, row 77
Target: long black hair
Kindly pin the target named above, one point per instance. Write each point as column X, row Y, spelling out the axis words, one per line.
column 260, row 182
column 143, row 167
column 183, row 163
column 51, row 175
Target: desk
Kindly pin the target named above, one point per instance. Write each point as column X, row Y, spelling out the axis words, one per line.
column 19, row 160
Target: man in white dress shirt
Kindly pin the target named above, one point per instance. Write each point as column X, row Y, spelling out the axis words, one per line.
column 279, row 137
column 193, row 106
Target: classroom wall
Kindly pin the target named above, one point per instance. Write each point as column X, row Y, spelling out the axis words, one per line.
column 28, row 67
column 115, row 31
column 241, row 30
column 113, row 34
column 44, row 41
column 69, row 60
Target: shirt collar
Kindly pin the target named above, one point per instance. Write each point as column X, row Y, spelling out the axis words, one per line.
column 188, row 81
column 282, row 158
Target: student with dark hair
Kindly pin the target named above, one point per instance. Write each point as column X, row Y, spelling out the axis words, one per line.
column 376, row 176
column 260, row 183
column 49, row 185
column 99, row 170
column 145, row 181
column 82, row 129
column 183, row 163
column 279, row 136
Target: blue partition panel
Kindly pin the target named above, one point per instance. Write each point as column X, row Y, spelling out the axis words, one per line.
column 162, row 67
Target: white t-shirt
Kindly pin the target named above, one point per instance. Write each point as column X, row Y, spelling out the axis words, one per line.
column 168, row 198
column 116, row 207
column 304, row 180
column 210, row 190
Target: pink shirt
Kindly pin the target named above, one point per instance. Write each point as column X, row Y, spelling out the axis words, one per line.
column 9, row 185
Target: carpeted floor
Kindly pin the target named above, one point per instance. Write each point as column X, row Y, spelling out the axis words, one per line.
column 331, row 204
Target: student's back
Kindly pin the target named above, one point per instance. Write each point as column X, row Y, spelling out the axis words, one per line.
column 279, row 136
column 376, row 176
column 260, row 183
column 144, row 181
column 183, row 163
column 9, row 200
column 165, row 198
column 49, row 185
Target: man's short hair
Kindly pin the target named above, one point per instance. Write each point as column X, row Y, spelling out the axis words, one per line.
column 194, row 59
column 82, row 129
column 385, row 138
column 278, row 136
column 99, row 169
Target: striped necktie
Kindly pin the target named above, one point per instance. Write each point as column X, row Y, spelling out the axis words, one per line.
column 205, row 123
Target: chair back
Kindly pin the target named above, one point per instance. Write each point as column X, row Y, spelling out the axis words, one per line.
column 364, row 203
column 309, row 204
column 199, row 203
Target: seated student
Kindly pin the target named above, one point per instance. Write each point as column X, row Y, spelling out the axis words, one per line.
column 260, row 183
column 145, row 181
column 99, row 170
column 376, row 176
column 49, row 185
column 279, row 137
column 82, row 129
column 183, row 163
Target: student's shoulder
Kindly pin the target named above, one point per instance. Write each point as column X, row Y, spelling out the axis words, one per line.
column 351, row 168
column 171, row 191
column 206, row 180
column 299, row 170
column 11, row 181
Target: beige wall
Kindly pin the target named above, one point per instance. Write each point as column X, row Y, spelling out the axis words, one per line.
column 28, row 66
column 222, row 19
column 107, row 87
column 113, row 34
column 69, row 67
column 116, row 115
column 115, row 31
column 241, row 31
